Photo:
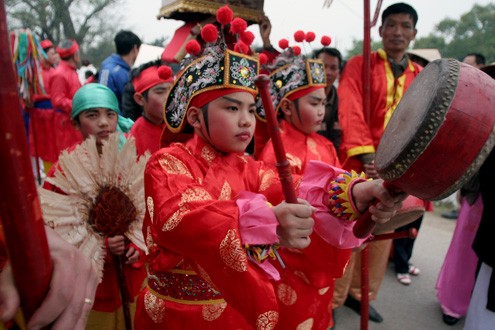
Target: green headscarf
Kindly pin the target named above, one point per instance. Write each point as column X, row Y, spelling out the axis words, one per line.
column 95, row 95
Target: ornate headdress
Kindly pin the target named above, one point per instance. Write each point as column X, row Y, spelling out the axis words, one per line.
column 292, row 74
column 216, row 69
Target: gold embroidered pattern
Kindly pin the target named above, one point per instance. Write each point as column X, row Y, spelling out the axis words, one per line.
column 286, row 294
column 213, row 312
column 190, row 195
column 306, row 325
column 149, row 238
column 266, row 179
column 312, row 147
column 151, row 207
column 294, row 161
column 302, row 276
column 322, row 291
column 232, row 253
column 155, row 307
column 267, row 321
column 226, row 193
column 207, row 154
column 173, row 165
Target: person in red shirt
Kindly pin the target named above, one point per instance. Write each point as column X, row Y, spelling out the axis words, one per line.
column 151, row 87
column 63, row 85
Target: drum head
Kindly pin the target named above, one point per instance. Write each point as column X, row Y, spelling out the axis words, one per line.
column 440, row 132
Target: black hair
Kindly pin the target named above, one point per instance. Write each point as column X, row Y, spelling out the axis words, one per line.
column 125, row 42
column 479, row 58
column 400, row 8
column 330, row 52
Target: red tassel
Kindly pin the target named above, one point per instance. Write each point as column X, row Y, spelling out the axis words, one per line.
column 193, row 47
column 310, row 36
column 299, row 36
column 283, row 43
column 209, row 33
column 225, row 15
column 326, row 41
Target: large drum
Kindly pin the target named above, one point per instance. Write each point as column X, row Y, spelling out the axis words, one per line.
column 441, row 131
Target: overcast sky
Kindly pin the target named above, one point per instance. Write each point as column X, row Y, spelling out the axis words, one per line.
column 342, row 21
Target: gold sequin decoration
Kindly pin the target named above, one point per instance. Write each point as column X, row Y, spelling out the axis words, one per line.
column 173, row 165
column 190, row 195
column 267, row 321
column 267, row 178
column 232, row 253
column 312, row 147
column 155, row 307
column 294, row 161
column 151, row 207
column 208, row 154
column 322, row 291
column 189, row 79
column 278, row 83
column 213, row 312
column 226, row 193
column 306, row 325
column 286, row 294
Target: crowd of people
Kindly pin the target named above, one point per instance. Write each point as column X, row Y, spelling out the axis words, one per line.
column 218, row 248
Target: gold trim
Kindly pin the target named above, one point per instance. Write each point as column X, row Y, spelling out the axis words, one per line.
column 360, row 150
column 208, row 7
column 185, row 302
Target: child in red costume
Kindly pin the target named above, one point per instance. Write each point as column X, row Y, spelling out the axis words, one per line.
column 209, row 228
column 151, row 91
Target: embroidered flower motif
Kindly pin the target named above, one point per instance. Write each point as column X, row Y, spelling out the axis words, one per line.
column 267, row 321
column 232, row 253
column 286, row 294
column 213, row 312
column 155, row 307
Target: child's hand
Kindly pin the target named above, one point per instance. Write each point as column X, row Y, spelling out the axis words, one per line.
column 365, row 192
column 295, row 223
column 132, row 256
column 370, row 170
column 116, row 245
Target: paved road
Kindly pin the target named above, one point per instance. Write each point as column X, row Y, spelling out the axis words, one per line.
column 415, row 306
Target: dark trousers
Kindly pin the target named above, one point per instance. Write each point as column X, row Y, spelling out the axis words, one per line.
column 403, row 248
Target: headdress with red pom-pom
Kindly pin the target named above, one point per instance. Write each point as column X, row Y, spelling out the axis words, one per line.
column 152, row 76
column 213, row 68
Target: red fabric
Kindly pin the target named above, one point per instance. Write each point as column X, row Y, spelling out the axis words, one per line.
column 41, row 124
column 180, row 36
column 107, row 297
column 206, row 97
column 63, row 85
column 147, row 79
column 359, row 137
column 68, row 52
column 320, row 263
column 305, row 91
column 46, row 44
column 147, row 135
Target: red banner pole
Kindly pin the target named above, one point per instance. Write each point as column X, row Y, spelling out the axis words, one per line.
column 20, row 210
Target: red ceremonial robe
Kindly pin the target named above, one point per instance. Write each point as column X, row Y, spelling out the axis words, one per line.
column 359, row 136
column 306, row 300
column 147, row 135
column 63, row 85
column 199, row 276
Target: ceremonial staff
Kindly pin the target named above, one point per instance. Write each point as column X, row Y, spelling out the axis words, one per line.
column 20, row 210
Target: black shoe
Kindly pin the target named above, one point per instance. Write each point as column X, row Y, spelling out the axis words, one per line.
column 355, row 305
column 450, row 320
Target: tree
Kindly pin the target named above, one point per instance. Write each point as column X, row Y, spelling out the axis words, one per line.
column 89, row 22
column 357, row 47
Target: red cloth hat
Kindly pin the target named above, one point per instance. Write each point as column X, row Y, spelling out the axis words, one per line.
column 46, row 44
column 149, row 78
column 68, row 52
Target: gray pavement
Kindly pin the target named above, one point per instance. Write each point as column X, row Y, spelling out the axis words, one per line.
column 414, row 306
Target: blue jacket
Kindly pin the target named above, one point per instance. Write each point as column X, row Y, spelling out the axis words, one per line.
column 114, row 73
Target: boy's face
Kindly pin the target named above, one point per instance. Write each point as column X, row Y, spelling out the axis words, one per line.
column 397, row 32
column 332, row 67
column 153, row 105
column 231, row 122
column 98, row 122
column 309, row 112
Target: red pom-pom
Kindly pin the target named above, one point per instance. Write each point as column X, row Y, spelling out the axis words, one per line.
column 238, row 25
column 225, row 15
column 299, row 36
column 283, row 43
column 165, row 72
column 326, row 41
column 297, row 50
column 310, row 36
column 209, row 33
column 193, row 47
column 241, row 47
column 247, row 37
column 263, row 58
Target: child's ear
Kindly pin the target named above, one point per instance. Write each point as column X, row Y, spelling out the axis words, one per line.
column 194, row 116
column 75, row 124
column 286, row 106
column 139, row 99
